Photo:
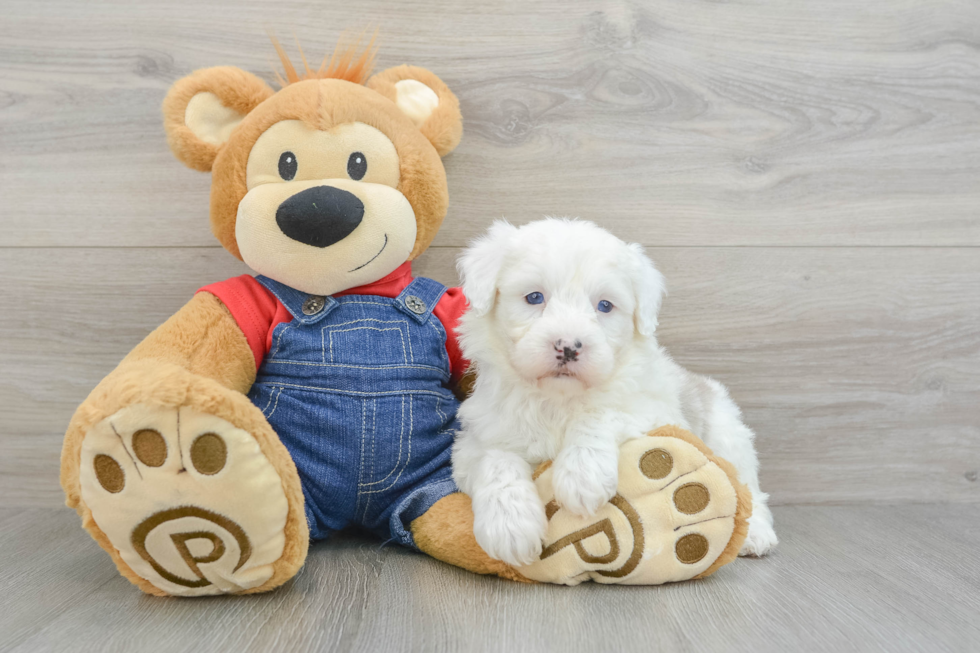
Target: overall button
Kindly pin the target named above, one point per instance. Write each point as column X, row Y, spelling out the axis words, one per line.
column 313, row 305
column 415, row 304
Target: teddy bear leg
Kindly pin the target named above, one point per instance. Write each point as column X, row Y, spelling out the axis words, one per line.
column 679, row 513
column 445, row 532
column 185, row 485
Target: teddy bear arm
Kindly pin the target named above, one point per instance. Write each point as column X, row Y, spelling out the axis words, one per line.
column 203, row 338
column 169, row 442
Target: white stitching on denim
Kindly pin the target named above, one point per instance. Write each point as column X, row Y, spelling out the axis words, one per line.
column 355, row 393
column 271, row 393
column 364, row 367
column 374, row 430
column 401, row 335
column 439, row 409
column 411, row 428
column 444, row 352
column 360, row 465
column 401, row 440
column 380, row 366
column 365, row 319
column 360, row 328
column 285, row 328
column 276, row 405
column 374, row 439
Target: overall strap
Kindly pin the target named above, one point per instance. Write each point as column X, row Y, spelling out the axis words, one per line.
column 305, row 308
column 419, row 298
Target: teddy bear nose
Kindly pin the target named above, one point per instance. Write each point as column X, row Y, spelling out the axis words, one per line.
column 320, row 216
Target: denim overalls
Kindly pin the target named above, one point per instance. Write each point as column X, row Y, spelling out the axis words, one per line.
column 357, row 387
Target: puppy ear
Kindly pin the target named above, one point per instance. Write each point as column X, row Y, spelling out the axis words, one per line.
column 426, row 100
column 480, row 265
column 649, row 289
column 201, row 111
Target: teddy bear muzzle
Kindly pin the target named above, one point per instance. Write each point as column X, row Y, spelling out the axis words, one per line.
column 320, row 216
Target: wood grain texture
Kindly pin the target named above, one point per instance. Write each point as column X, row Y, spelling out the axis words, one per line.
column 674, row 123
column 844, row 579
column 859, row 368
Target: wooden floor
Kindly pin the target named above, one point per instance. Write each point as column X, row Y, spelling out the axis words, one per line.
column 844, row 579
column 806, row 174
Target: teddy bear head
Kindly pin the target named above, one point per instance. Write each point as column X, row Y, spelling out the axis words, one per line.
column 330, row 183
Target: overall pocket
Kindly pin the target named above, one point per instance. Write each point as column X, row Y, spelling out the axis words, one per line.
column 368, row 341
column 387, row 424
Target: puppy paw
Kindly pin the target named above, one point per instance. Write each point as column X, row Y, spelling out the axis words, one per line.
column 761, row 538
column 509, row 524
column 585, row 479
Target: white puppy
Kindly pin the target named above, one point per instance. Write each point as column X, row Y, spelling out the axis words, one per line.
column 561, row 331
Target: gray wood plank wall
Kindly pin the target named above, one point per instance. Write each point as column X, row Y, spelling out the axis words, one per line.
column 807, row 176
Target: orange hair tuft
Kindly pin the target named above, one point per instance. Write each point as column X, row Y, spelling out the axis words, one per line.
column 345, row 62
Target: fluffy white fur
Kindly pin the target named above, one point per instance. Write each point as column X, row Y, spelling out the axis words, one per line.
column 562, row 380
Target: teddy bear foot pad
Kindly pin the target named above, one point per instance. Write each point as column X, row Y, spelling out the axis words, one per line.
column 187, row 500
column 676, row 515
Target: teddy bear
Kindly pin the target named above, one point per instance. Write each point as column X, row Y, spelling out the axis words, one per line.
column 277, row 409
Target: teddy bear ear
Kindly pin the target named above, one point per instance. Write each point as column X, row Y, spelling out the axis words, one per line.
column 201, row 111
column 426, row 100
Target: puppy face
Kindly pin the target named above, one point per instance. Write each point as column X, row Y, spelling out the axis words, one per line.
column 560, row 300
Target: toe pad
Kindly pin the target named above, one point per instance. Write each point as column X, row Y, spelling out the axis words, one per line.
column 188, row 501
column 673, row 516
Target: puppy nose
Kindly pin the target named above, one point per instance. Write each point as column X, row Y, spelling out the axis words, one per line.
column 320, row 216
column 568, row 350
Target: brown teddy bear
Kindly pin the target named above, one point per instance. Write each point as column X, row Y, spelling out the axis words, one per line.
column 277, row 409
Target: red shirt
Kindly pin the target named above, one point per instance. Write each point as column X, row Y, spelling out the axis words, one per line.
column 258, row 312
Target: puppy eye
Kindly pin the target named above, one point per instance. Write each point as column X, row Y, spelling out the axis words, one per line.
column 357, row 166
column 287, row 166
column 605, row 306
column 534, row 298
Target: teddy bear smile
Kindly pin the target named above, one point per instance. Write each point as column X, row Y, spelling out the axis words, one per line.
column 373, row 257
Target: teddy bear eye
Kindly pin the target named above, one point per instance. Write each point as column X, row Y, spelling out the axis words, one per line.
column 357, row 166
column 287, row 166
column 534, row 298
column 605, row 306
